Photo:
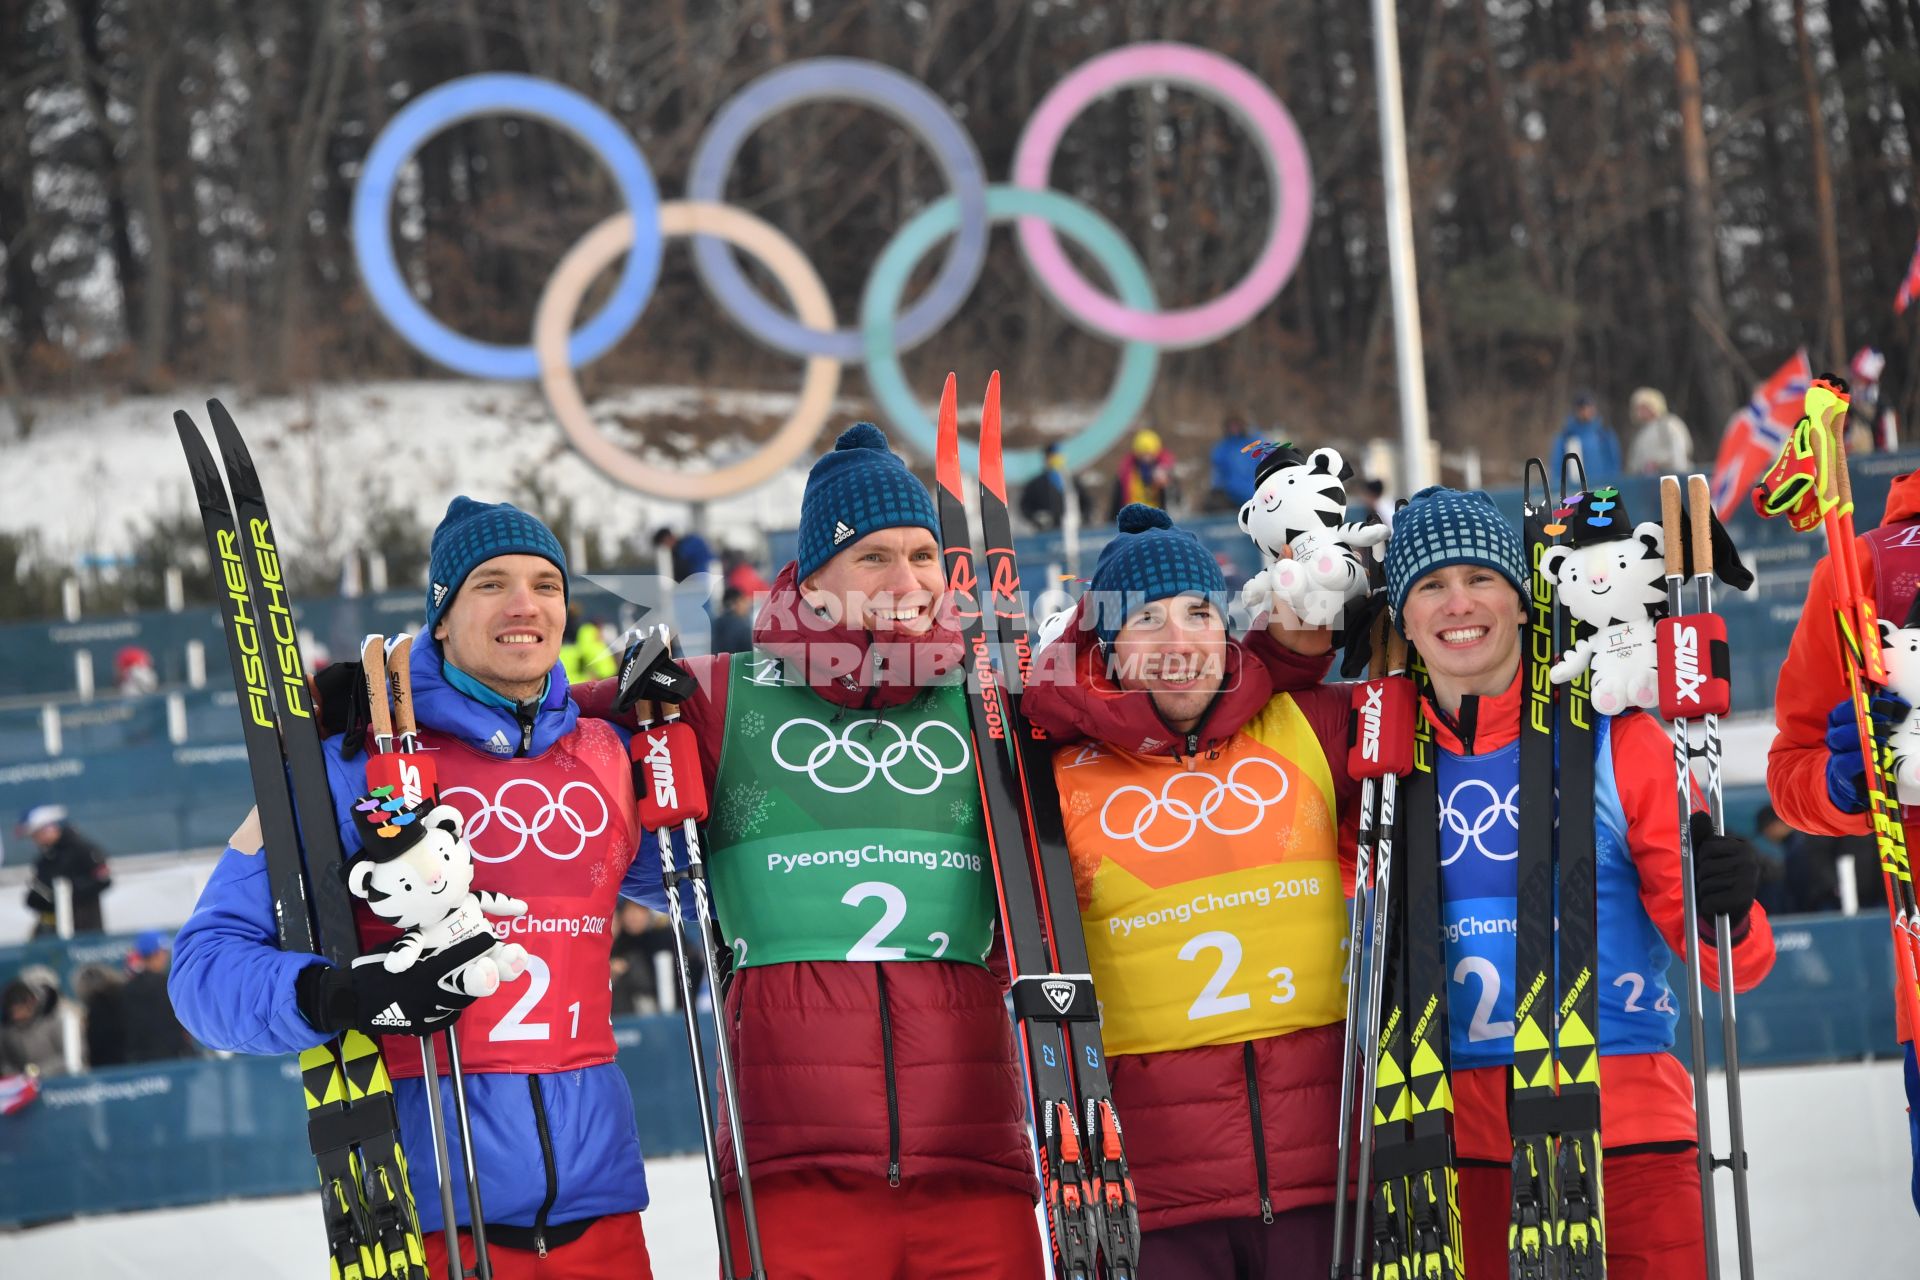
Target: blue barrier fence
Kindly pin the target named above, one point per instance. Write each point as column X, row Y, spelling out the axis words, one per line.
column 184, row 1133
column 159, row 1136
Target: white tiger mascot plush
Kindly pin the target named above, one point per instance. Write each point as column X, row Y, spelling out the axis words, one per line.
column 416, row 870
column 1900, row 648
column 1610, row 574
column 1299, row 505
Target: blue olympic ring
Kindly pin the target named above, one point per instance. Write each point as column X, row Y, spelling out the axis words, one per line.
column 483, row 95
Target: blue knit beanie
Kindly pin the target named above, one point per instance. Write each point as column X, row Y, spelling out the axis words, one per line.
column 1149, row 560
column 472, row 533
column 859, row 487
column 1440, row 527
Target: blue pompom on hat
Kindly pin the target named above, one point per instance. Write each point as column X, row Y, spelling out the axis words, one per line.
column 1148, row 560
column 1440, row 527
column 472, row 533
column 860, row 486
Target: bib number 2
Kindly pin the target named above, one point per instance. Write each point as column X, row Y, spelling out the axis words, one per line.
column 873, row 944
column 1211, row 1003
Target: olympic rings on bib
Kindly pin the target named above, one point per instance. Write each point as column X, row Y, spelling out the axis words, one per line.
column 1194, row 815
column 470, row 98
column 530, row 826
column 834, row 745
column 1486, row 819
column 967, row 214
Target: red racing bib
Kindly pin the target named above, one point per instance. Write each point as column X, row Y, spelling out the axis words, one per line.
column 557, row 832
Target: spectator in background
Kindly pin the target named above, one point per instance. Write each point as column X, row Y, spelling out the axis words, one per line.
column 1146, row 473
column 101, row 991
column 584, row 653
column 67, row 855
column 1233, row 467
column 150, row 1031
column 688, row 552
column 1587, row 434
column 134, row 673
column 30, row 1037
column 1045, row 500
column 1374, row 501
column 733, row 625
column 1662, row 445
column 640, row 937
column 1770, row 837
column 737, row 572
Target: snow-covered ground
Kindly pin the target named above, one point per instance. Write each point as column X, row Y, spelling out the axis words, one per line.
column 99, row 466
column 1829, row 1158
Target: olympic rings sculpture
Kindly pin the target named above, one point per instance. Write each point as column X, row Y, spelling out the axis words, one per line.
column 551, row 809
column 835, row 745
column 1196, row 815
column 966, row 215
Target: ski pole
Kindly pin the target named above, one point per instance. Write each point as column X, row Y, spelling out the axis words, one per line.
column 1700, row 510
column 1380, row 942
column 1366, row 698
column 668, row 782
column 1809, row 485
column 476, row 1218
column 1676, row 550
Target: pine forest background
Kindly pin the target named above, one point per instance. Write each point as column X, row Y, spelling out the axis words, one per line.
column 1606, row 194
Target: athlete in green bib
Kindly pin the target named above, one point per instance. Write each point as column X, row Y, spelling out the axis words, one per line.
column 880, row 1086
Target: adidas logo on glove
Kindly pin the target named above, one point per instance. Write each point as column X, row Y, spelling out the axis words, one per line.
column 392, row 1016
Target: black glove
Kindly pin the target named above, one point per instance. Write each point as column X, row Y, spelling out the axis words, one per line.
column 341, row 700
column 1726, row 872
column 1356, row 634
column 365, row 997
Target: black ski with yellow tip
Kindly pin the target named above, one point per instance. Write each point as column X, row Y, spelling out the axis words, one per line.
column 371, row 1227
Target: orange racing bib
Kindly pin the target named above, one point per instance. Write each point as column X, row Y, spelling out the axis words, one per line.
column 1210, row 888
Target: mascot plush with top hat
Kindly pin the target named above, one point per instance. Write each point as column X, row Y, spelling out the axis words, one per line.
column 416, row 871
column 1610, row 574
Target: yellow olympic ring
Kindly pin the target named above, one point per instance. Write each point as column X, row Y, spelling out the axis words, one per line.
column 553, row 324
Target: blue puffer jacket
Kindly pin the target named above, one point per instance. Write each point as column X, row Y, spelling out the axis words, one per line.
column 551, row 1149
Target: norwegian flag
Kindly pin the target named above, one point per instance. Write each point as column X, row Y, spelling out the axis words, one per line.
column 1755, row 435
column 1910, row 287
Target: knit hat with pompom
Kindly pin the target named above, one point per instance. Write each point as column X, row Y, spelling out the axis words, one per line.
column 1148, row 560
column 857, row 488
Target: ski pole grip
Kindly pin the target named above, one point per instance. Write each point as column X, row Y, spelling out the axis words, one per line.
column 1381, row 728
column 1396, row 651
column 1700, row 514
column 1670, row 523
column 666, row 775
column 1694, row 666
column 373, row 665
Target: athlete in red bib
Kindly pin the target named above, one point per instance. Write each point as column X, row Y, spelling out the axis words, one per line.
column 549, row 808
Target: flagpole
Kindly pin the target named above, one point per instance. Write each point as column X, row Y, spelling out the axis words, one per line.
column 1416, row 445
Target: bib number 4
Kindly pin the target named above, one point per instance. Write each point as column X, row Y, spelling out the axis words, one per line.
column 1211, row 1002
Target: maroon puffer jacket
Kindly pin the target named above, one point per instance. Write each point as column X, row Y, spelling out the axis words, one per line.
column 897, row 1070
column 1235, row 1130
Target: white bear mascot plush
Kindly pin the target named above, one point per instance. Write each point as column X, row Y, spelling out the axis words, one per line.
column 1900, row 648
column 416, row 870
column 1300, row 506
column 1611, row 575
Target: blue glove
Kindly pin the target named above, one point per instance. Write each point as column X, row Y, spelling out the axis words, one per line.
column 1846, row 761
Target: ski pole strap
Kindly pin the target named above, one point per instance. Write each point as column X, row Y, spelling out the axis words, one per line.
column 1694, row 666
column 1553, row 1114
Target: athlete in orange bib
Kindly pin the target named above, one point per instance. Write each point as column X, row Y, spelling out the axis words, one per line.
column 1202, row 815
